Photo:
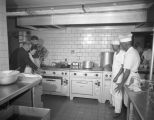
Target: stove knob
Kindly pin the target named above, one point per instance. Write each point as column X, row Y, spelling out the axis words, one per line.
column 65, row 73
column 66, row 82
column 62, row 73
column 74, row 73
column 106, row 75
column 85, row 74
column 54, row 73
column 99, row 83
column 96, row 75
column 110, row 75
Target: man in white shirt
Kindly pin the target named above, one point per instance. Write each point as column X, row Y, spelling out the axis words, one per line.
column 131, row 65
column 117, row 75
column 146, row 56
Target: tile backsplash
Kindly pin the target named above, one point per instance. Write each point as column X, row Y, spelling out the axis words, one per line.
column 79, row 43
column 4, row 61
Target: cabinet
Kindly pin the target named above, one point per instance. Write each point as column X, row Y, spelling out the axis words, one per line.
column 25, row 99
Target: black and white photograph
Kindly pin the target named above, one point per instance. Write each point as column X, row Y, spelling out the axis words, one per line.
column 76, row 59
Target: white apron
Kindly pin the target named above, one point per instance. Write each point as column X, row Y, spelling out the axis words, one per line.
column 28, row 70
column 116, row 97
column 129, row 82
column 131, row 62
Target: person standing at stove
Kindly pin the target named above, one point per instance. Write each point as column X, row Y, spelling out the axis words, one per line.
column 32, row 51
column 20, row 58
column 41, row 52
column 131, row 65
column 117, row 75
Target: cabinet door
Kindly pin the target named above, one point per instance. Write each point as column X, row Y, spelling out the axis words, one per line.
column 82, row 87
column 53, row 85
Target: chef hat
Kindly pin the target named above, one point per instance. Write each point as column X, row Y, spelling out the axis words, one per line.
column 115, row 43
column 127, row 39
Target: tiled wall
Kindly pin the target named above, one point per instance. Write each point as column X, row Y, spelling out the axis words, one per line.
column 78, row 44
column 4, row 64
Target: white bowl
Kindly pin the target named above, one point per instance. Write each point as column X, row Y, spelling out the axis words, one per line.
column 8, row 77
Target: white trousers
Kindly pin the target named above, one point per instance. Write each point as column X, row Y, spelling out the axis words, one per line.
column 117, row 100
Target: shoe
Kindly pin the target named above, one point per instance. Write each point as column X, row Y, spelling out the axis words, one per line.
column 116, row 115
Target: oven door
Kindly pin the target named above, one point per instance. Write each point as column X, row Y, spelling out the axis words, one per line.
column 82, row 87
column 52, row 83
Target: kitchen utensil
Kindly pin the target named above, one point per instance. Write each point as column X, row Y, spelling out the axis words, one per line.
column 106, row 59
column 8, row 77
column 88, row 64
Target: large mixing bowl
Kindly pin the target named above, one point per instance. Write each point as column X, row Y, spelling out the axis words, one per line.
column 8, row 77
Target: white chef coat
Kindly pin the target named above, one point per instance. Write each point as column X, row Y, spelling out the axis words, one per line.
column 131, row 62
column 118, row 60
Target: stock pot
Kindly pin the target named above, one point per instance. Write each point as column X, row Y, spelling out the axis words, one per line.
column 88, row 64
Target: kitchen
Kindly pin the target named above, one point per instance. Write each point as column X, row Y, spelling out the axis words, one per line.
column 71, row 38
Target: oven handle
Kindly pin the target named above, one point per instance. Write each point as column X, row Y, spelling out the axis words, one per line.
column 52, row 77
column 51, row 80
column 83, row 82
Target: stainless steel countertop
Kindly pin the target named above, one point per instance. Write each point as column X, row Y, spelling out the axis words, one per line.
column 10, row 91
column 70, row 69
column 142, row 104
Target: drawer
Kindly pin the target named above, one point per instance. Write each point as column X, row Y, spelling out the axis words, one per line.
column 82, row 87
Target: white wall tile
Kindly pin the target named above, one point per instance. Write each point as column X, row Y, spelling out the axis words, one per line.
column 78, row 44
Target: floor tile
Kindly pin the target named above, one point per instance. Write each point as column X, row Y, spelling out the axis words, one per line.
column 77, row 109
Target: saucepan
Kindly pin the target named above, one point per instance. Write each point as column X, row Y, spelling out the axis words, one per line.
column 88, row 64
column 8, row 77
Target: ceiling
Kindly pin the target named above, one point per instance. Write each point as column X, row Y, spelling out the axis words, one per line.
column 53, row 3
column 51, row 12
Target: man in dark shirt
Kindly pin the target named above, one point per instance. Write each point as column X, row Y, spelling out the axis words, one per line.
column 21, row 58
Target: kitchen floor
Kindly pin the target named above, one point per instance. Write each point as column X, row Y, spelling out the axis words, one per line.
column 78, row 109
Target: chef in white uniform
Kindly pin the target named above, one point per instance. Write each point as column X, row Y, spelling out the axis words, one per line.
column 117, row 75
column 131, row 65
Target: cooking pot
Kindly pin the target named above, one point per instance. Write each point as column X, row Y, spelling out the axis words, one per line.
column 106, row 60
column 88, row 64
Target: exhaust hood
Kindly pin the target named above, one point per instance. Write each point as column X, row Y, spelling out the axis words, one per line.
column 39, row 18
